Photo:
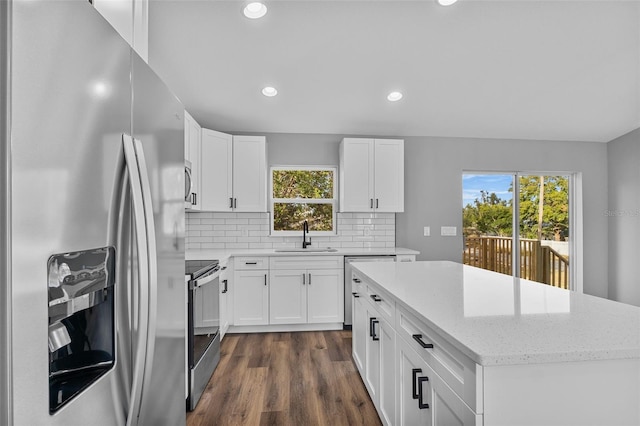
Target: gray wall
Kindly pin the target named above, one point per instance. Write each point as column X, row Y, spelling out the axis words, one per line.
column 433, row 191
column 623, row 215
column 433, row 185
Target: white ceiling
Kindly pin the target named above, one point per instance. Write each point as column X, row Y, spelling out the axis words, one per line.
column 509, row 69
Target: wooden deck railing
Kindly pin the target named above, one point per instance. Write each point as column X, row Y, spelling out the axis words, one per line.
column 537, row 262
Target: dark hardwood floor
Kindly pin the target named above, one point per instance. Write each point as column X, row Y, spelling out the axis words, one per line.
column 303, row 378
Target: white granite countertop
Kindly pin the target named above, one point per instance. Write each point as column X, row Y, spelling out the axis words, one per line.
column 225, row 254
column 498, row 320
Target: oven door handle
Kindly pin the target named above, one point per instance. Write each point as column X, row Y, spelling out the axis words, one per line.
column 206, row 280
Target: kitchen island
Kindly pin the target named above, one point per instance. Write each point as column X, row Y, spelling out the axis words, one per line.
column 470, row 346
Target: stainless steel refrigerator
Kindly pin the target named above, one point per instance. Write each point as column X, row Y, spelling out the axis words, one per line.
column 93, row 307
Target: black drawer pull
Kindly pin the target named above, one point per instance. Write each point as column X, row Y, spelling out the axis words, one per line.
column 374, row 336
column 356, row 295
column 357, row 280
column 414, row 383
column 250, row 263
column 226, row 283
column 418, row 338
column 376, row 298
column 265, row 279
column 421, row 405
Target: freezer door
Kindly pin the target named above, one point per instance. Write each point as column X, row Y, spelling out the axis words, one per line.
column 158, row 123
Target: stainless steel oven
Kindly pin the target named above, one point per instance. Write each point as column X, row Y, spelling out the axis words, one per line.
column 203, row 337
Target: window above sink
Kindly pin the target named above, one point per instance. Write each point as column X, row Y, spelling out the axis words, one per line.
column 299, row 193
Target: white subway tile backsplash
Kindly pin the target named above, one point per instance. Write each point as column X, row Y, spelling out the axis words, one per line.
column 206, row 230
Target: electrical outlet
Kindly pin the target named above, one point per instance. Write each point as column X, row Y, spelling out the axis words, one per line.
column 427, row 231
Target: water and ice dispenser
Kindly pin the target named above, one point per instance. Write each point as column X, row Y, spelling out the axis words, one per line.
column 81, row 321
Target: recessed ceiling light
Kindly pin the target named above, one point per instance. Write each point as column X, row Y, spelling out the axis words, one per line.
column 446, row 2
column 269, row 91
column 255, row 10
column 394, row 96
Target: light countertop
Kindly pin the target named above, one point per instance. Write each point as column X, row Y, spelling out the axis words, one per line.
column 225, row 254
column 499, row 320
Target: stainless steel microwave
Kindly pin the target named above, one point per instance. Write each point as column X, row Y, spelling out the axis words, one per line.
column 190, row 197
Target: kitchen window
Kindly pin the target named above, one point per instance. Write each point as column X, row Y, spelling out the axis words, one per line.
column 300, row 194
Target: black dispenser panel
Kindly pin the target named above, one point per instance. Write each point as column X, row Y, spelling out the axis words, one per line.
column 81, row 321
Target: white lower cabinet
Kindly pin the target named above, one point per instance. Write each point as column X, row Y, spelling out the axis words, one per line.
column 225, row 313
column 359, row 334
column 251, row 297
column 423, row 398
column 306, row 290
column 404, row 387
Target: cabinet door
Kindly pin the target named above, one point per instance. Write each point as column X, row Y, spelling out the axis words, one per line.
column 288, row 297
column 356, row 175
column 325, row 295
column 249, row 173
column 387, row 373
column 224, row 306
column 359, row 331
column 389, row 175
column 372, row 355
column 195, row 158
column 216, row 154
column 251, row 297
column 409, row 367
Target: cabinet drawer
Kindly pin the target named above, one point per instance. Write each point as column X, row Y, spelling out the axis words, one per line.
column 306, row 262
column 459, row 372
column 380, row 300
column 249, row 263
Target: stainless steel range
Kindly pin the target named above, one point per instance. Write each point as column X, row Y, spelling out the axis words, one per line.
column 203, row 349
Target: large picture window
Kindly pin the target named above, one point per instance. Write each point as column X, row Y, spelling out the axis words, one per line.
column 303, row 193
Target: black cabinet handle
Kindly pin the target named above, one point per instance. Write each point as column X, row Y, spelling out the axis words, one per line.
column 223, row 268
column 376, row 203
column 356, row 295
column 371, row 320
column 265, row 279
column 231, row 202
column 414, row 384
column 418, row 338
column 309, row 278
column 376, row 298
column 225, row 282
column 194, row 199
column 370, row 203
column 421, row 380
column 235, row 203
column 250, row 263
column 374, row 336
column 357, row 280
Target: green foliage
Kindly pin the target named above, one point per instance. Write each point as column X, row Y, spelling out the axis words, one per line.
column 302, row 184
column 297, row 185
column 491, row 215
column 555, row 211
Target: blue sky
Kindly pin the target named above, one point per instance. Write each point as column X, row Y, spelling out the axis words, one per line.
column 473, row 183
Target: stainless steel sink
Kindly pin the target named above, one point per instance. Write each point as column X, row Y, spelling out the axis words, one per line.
column 306, row 250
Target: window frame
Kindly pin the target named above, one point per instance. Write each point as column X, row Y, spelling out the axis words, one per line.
column 333, row 201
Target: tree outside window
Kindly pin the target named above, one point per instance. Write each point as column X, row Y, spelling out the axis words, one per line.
column 303, row 193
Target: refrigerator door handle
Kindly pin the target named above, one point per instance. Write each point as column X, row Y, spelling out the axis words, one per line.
column 152, row 263
column 140, row 366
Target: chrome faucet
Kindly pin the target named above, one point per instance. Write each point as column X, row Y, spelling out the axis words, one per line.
column 305, row 229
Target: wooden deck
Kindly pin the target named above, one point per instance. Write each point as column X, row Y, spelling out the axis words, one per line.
column 537, row 262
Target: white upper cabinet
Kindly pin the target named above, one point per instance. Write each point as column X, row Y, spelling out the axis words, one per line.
column 249, row 174
column 217, row 155
column 192, row 147
column 371, row 175
column 131, row 19
column 234, row 175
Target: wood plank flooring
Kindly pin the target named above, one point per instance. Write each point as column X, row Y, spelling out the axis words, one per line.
column 302, row 378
